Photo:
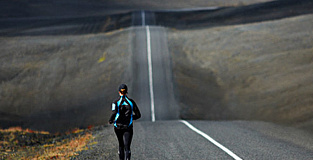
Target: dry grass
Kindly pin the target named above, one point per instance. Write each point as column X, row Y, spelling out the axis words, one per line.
column 18, row 143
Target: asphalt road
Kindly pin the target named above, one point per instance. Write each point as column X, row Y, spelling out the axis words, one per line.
column 165, row 139
column 165, row 107
column 248, row 140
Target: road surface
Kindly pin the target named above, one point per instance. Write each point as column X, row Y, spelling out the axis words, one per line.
column 160, row 138
column 159, row 84
column 160, row 134
column 248, row 140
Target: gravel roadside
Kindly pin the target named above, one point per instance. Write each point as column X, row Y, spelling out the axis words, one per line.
column 104, row 145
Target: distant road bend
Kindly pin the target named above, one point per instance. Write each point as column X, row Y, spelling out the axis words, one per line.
column 161, row 135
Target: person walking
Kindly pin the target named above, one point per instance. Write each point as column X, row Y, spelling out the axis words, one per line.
column 124, row 112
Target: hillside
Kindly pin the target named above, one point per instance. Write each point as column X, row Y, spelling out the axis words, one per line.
column 60, row 67
column 55, row 82
column 259, row 71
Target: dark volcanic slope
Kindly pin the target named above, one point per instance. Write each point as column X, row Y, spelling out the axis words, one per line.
column 82, row 17
column 70, row 24
column 78, row 8
column 234, row 15
column 64, row 25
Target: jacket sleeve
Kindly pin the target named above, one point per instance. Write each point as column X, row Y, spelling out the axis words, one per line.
column 114, row 112
column 136, row 112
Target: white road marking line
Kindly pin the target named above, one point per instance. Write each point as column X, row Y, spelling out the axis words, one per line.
column 143, row 18
column 211, row 140
column 150, row 73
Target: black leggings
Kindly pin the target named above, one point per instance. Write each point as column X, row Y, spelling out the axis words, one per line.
column 124, row 137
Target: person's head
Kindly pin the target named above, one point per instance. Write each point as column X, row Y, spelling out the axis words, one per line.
column 122, row 89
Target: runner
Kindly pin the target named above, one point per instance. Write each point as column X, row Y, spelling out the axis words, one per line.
column 124, row 111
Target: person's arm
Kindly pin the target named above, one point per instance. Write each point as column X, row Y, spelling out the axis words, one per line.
column 136, row 112
column 114, row 112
